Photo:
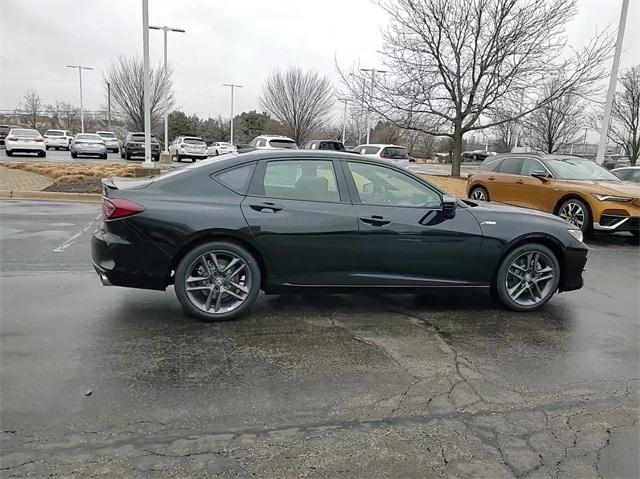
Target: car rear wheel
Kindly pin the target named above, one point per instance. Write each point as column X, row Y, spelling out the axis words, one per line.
column 103, row 157
column 178, row 158
column 527, row 277
column 74, row 154
column 479, row 194
column 217, row 281
column 42, row 154
column 9, row 152
column 127, row 156
column 576, row 212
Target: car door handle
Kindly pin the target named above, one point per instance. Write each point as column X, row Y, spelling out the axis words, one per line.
column 520, row 182
column 267, row 205
column 491, row 178
column 374, row 220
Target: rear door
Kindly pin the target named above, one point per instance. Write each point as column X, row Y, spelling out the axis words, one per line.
column 504, row 180
column 405, row 240
column 299, row 212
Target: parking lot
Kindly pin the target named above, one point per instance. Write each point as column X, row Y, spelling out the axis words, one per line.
column 111, row 382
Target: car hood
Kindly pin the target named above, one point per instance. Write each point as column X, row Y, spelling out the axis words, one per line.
column 483, row 210
column 606, row 187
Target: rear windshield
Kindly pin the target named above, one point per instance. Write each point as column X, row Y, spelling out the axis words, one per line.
column 194, row 141
column 24, row 132
column 54, row 133
column 106, row 134
column 395, row 152
column 331, row 145
column 289, row 144
column 88, row 136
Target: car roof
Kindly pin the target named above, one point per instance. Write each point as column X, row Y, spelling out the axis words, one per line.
column 381, row 145
column 627, row 168
column 103, row 131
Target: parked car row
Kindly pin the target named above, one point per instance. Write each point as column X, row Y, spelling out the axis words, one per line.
column 576, row 189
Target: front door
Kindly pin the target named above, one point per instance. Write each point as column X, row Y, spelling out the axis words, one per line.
column 405, row 239
column 299, row 212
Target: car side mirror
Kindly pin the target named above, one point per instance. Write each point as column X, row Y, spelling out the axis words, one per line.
column 449, row 205
column 541, row 175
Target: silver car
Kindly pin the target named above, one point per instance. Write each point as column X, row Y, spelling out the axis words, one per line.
column 88, row 144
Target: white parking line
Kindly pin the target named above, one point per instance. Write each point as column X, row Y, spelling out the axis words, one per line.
column 69, row 241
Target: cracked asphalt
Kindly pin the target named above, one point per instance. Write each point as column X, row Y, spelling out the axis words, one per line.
column 111, row 382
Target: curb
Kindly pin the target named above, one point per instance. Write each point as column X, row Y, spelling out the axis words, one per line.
column 50, row 196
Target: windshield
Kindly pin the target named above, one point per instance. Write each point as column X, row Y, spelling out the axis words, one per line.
column 141, row 137
column 88, row 136
column 194, row 141
column 25, row 132
column 580, row 169
column 289, row 144
column 106, row 134
column 331, row 145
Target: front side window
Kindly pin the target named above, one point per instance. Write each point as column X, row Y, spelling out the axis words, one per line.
column 378, row 185
column 510, row 166
column 301, row 180
column 529, row 166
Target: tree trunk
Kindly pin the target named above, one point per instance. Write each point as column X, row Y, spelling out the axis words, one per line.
column 456, row 151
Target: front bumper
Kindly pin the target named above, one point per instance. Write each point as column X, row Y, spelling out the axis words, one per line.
column 574, row 262
column 617, row 223
column 139, row 150
column 133, row 263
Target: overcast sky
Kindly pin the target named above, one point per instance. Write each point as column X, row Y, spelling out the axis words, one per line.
column 238, row 41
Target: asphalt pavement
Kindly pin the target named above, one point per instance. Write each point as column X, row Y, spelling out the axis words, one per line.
column 113, row 382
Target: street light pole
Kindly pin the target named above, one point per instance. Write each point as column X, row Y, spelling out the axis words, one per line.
column 373, row 75
column 80, row 68
column 166, row 29
column 604, row 130
column 232, row 86
column 108, row 106
column 344, row 119
column 146, row 93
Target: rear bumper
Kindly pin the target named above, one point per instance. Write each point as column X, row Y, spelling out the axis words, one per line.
column 617, row 223
column 135, row 264
column 22, row 147
column 61, row 143
column 574, row 262
column 92, row 152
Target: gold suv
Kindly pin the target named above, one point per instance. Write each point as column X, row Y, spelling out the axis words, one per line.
column 578, row 190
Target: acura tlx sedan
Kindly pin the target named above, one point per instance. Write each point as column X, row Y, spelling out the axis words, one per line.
column 279, row 221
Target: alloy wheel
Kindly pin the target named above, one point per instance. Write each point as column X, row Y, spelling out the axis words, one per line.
column 479, row 195
column 218, row 282
column 573, row 212
column 530, row 278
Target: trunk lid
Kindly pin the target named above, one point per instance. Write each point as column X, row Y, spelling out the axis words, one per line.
column 113, row 183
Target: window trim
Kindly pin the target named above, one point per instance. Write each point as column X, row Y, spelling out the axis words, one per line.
column 355, row 196
column 256, row 188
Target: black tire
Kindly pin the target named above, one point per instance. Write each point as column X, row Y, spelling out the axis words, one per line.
column 46, row 148
column 586, row 223
column 122, row 155
column 156, row 158
column 181, row 274
column 479, row 191
column 103, row 157
column 74, row 154
column 178, row 158
column 127, row 156
column 217, row 153
column 500, row 286
column 42, row 154
column 9, row 153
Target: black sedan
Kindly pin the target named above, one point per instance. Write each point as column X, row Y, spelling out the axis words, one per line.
column 279, row 221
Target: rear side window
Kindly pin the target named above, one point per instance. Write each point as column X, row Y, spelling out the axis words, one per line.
column 236, row 179
column 490, row 164
column 511, row 166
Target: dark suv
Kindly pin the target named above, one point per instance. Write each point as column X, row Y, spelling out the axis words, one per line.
column 4, row 131
column 134, row 146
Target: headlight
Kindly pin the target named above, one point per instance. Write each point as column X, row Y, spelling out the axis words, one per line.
column 577, row 234
column 603, row 197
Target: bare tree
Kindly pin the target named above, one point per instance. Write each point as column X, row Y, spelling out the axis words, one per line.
column 556, row 123
column 301, row 101
column 452, row 62
column 126, row 76
column 506, row 132
column 624, row 130
column 32, row 107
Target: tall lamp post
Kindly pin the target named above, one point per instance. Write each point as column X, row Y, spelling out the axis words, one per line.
column 344, row 119
column 373, row 72
column 80, row 68
column 166, row 29
column 232, row 86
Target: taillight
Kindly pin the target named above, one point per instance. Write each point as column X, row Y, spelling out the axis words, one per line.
column 383, row 155
column 115, row 208
column 39, row 140
column 12, row 138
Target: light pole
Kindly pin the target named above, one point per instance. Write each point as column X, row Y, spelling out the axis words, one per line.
column 373, row 76
column 344, row 119
column 80, row 68
column 166, row 29
column 147, row 101
column 108, row 106
column 604, row 130
column 231, row 86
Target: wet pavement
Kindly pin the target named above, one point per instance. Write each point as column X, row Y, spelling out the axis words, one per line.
column 112, row 382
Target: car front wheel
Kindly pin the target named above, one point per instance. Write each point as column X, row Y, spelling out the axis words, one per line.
column 527, row 277
column 576, row 212
column 478, row 193
column 217, row 281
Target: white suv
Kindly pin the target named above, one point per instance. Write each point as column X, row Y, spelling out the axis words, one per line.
column 58, row 139
column 273, row 142
column 110, row 139
column 192, row 147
